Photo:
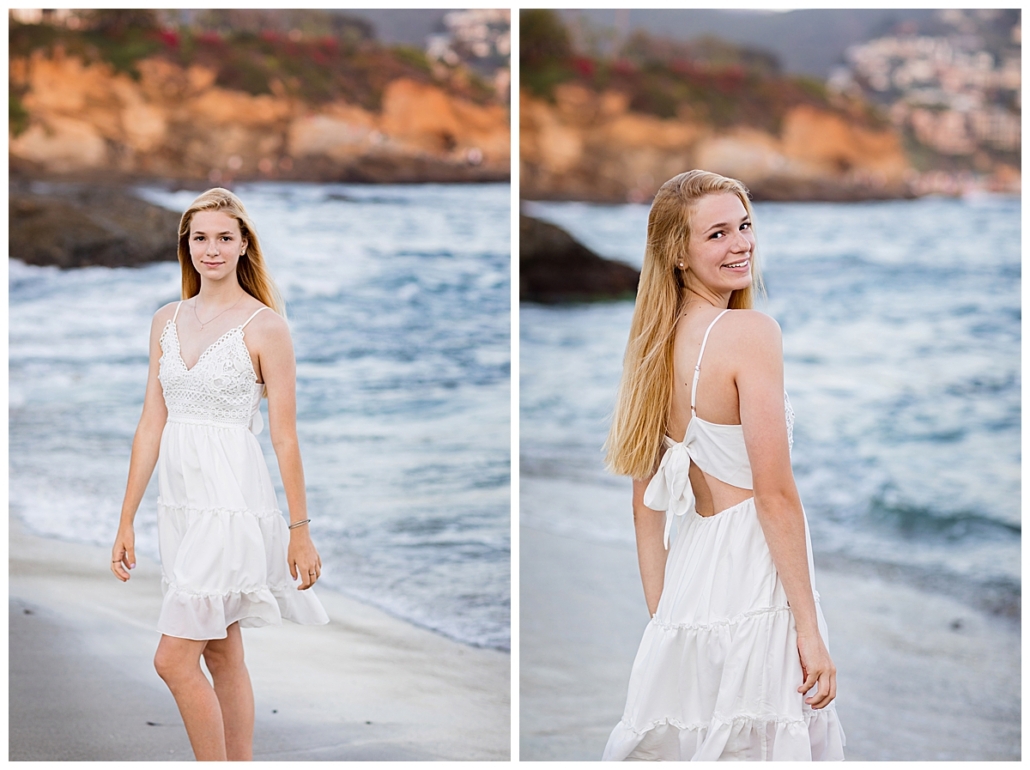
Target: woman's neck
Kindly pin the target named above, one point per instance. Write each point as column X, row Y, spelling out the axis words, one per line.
column 220, row 293
column 699, row 297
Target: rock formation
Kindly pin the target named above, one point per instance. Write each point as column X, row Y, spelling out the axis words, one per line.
column 87, row 120
column 554, row 267
column 74, row 226
column 590, row 146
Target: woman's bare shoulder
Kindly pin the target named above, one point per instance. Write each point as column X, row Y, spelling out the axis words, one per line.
column 752, row 332
column 752, row 322
column 165, row 313
column 268, row 326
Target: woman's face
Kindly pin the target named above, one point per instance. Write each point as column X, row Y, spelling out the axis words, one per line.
column 215, row 244
column 721, row 244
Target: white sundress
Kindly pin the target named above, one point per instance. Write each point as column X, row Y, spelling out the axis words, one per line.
column 717, row 671
column 222, row 538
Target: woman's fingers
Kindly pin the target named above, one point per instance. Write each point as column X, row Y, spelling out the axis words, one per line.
column 818, row 671
column 809, row 683
column 119, row 569
column 123, row 559
column 308, row 574
column 826, row 690
column 305, row 565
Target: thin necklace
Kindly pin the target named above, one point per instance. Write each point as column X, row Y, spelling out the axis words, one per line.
column 205, row 323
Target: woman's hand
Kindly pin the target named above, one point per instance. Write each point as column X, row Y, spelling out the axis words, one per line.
column 303, row 558
column 123, row 555
column 817, row 668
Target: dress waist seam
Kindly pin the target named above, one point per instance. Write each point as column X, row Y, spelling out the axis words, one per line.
column 209, row 422
column 740, row 618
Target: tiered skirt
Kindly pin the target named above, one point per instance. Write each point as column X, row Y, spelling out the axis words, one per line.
column 222, row 537
column 717, row 672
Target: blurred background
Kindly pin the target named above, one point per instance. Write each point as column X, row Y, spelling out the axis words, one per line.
column 247, row 94
column 372, row 150
column 815, row 104
column 882, row 149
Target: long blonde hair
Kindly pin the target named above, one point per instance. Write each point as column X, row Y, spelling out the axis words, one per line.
column 641, row 415
column 250, row 270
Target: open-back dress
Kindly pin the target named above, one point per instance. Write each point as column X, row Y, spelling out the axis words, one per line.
column 222, row 537
column 717, row 672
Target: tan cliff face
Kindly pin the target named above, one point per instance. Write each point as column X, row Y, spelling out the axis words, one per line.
column 174, row 122
column 589, row 146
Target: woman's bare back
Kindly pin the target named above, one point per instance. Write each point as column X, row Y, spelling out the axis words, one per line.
column 716, row 400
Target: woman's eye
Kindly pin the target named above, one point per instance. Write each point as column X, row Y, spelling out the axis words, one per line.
column 746, row 226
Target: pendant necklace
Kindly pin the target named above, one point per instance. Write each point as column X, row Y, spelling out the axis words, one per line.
column 205, row 323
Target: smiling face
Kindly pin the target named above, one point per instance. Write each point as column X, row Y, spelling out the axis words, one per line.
column 721, row 246
column 216, row 244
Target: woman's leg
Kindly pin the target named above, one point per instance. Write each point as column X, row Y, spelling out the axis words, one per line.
column 178, row 662
column 224, row 658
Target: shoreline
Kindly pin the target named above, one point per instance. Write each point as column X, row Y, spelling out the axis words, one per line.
column 368, row 686
column 20, row 180
column 921, row 675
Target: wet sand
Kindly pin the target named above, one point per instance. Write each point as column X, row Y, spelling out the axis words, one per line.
column 365, row 687
column 921, row 676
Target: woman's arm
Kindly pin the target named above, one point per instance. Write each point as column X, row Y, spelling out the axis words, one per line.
column 145, row 446
column 279, row 372
column 651, row 553
column 759, row 380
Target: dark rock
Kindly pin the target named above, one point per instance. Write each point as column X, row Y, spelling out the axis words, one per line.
column 554, row 268
column 76, row 226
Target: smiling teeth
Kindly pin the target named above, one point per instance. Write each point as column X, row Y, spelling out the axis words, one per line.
column 738, row 264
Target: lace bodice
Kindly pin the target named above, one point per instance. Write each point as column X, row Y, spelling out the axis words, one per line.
column 220, row 389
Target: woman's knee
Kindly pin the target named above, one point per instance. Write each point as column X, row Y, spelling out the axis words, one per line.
column 224, row 655
column 169, row 666
column 175, row 660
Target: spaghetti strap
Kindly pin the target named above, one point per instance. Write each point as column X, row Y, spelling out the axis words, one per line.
column 252, row 317
column 177, row 311
column 697, row 367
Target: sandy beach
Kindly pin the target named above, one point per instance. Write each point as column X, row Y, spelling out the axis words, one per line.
column 921, row 676
column 365, row 687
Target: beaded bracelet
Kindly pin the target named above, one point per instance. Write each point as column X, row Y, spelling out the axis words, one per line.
column 298, row 524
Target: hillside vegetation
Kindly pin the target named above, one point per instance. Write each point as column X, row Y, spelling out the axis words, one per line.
column 706, row 80
column 311, row 55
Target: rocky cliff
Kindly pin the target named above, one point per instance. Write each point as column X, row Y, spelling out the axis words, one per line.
column 87, row 120
column 590, row 146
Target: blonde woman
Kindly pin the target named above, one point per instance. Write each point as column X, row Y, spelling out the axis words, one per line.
column 228, row 558
column 734, row 663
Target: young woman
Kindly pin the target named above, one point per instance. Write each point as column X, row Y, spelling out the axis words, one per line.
column 227, row 555
column 734, row 663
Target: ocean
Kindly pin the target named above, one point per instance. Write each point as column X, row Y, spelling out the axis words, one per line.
column 398, row 298
column 901, row 332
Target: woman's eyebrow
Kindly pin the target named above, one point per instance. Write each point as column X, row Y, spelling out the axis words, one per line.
column 725, row 224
